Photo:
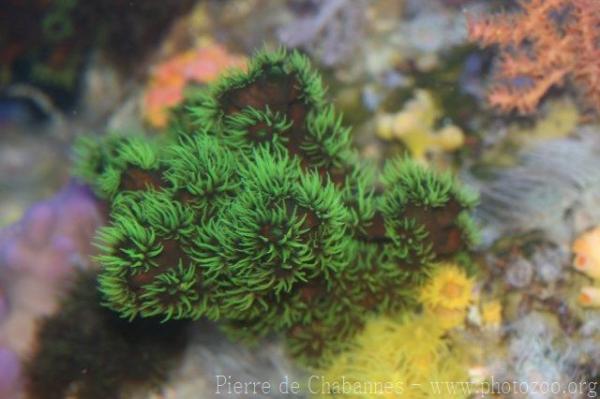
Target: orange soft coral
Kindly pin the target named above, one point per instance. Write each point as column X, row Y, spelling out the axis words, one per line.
column 169, row 79
column 546, row 43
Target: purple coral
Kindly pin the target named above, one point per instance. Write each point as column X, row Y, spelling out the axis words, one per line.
column 10, row 374
column 37, row 256
column 53, row 236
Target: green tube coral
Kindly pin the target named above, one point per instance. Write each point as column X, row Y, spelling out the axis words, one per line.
column 259, row 213
column 115, row 164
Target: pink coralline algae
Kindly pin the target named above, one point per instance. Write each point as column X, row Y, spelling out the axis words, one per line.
column 37, row 256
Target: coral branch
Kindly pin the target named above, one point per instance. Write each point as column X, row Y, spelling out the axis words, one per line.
column 545, row 43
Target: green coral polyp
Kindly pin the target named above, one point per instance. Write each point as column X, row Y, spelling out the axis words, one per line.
column 328, row 146
column 171, row 295
column 251, row 128
column 273, row 175
column 283, row 82
column 118, row 163
column 279, row 101
column 144, row 251
column 201, row 173
column 260, row 214
column 274, row 254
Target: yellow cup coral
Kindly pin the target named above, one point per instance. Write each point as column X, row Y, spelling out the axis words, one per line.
column 448, row 287
column 406, row 358
column 409, row 357
column 589, row 297
column 491, row 314
column 448, row 294
column 587, row 253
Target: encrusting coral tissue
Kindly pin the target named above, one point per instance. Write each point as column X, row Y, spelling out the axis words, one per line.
column 257, row 212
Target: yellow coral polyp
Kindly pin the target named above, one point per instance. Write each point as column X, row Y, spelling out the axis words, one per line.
column 449, row 287
column 586, row 249
column 394, row 359
column 491, row 314
column 423, row 330
column 589, row 297
column 449, row 318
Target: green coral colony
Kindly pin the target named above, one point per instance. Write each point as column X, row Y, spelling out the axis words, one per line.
column 256, row 211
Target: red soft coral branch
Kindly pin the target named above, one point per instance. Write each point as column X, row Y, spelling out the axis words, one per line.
column 587, row 14
column 490, row 30
column 544, row 43
column 524, row 100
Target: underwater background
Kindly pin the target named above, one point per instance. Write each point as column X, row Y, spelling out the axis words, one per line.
column 299, row 199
